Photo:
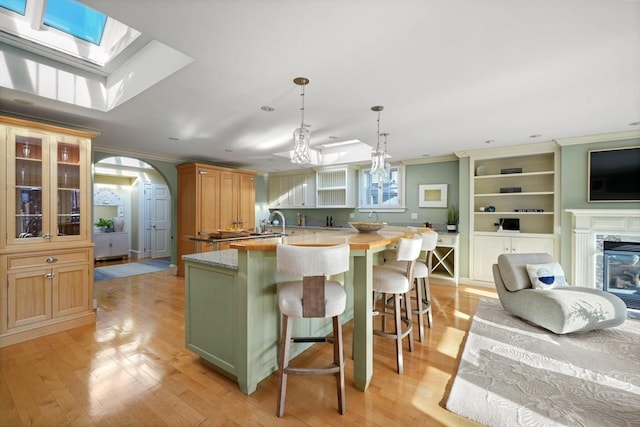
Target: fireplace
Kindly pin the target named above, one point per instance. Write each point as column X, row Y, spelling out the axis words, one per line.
column 621, row 267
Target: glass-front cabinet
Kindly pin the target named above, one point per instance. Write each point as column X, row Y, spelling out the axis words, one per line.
column 46, row 182
column 46, row 253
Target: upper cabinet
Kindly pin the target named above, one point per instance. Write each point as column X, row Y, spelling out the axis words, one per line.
column 48, row 197
column 238, row 197
column 211, row 198
column 325, row 188
column 336, row 188
column 292, row 191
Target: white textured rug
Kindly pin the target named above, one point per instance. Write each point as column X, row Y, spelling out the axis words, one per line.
column 515, row 374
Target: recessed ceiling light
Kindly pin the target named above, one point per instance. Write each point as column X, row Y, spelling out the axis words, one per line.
column 426, row 155
column 489, row 141
column 267, row 108
column 228, row 150
column 333, row 137
column 634, row 123
column 535, row 135
column 173, row 138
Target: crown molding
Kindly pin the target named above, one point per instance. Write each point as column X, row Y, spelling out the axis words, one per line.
column 603, row 137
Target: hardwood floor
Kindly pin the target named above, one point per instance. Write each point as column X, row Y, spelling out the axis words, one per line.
column 132, row 369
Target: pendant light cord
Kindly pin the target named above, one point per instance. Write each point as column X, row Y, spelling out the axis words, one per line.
column 302, row 106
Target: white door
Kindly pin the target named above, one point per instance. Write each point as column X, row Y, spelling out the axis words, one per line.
column 160, row 221
column 147, row 217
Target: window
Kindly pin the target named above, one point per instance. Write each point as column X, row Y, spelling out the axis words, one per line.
column 379, row 195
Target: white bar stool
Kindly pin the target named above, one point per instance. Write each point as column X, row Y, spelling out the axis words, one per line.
column 396, row 281
column 312, row 297
column 421, row 274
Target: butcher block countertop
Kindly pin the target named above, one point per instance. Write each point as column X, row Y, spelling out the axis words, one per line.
column 355, row 240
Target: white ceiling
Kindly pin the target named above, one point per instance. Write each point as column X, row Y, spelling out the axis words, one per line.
column 451, row 75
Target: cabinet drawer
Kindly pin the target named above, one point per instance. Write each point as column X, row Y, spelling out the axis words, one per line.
column 444, row 239
column 39, row 260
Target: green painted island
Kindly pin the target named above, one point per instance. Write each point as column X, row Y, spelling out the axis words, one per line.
column 231, row 312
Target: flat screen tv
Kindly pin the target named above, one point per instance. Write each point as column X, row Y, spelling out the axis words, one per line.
column 614, row 175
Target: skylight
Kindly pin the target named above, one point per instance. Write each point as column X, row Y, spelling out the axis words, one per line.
column 75, row 19
column 18, row 6
column 64, row 26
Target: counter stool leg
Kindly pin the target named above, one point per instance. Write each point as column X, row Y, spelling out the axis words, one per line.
column 427, row 300
column 407, row 310
column 285, row 347
column 398, row 321
column 338, row 360
column 419, row 300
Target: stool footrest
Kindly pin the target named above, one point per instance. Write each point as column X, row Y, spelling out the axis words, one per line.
column 327, row 370
column 312, row 339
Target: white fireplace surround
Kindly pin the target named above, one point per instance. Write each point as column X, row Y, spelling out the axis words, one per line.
column 592, row 226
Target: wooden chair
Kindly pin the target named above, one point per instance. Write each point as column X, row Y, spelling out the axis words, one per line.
column 391, row 280
column 312, row 297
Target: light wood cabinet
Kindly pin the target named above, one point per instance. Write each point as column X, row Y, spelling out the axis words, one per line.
column 238, row 200
column 47, row 286
column 111, row 245
column 211, row 198
column 47, row 179
column 46, row 253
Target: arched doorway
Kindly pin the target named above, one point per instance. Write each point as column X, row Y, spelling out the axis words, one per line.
column 138, row 195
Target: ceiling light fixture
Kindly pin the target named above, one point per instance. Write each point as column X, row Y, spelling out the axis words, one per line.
column 380, row 168
column 301, row 135
column 386, row 166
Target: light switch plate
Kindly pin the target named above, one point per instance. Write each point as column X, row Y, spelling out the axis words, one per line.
column 414, row 216
column 352, row 215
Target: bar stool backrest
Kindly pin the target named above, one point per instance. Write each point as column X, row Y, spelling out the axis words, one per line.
column 313, row 263
column 312, row 260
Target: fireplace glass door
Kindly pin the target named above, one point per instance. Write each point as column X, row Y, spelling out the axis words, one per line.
column 622, row 271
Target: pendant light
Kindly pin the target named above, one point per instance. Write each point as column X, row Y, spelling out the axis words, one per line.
column 386, row 166
column 301, row 136
column 380, row 168
column 375, row 154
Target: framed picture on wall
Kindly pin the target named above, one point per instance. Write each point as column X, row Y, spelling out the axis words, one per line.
column 432, row 196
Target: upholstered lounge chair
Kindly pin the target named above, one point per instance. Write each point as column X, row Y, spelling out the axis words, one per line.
column 561, row 310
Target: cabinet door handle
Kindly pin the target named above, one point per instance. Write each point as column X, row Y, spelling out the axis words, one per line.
column 49, row 276
column 52, row 259
column 47, row 236
column 202, row 172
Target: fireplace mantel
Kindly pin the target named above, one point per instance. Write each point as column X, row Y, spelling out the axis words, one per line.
column 587, row 225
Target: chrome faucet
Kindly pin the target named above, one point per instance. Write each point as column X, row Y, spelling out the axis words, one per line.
column 374, row 212
column 281, row 218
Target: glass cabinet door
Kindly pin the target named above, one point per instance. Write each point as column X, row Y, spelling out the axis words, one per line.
column 30, row 216
column 67, row 183
column 47, row 178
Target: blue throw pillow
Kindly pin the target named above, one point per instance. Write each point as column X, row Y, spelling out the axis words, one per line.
column 546, row 276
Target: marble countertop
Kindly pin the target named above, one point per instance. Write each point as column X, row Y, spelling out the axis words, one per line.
column 227, row 258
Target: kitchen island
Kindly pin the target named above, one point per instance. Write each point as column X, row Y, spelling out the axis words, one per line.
column 232, row 319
